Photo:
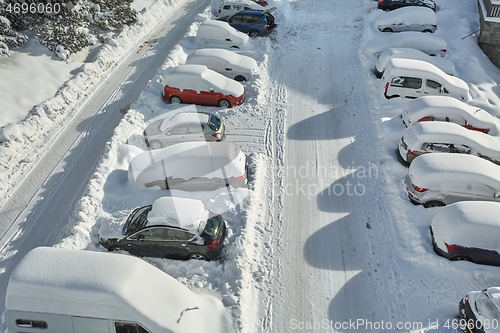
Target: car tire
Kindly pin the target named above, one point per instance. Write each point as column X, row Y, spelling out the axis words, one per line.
column 240, row 78
column 387, row 30
column 254, row 33
column 434, row 203
column 427, row 30
column 235, row 47
column 175, row 100
column 460, row 258
column 155, row 144
column 224, row 103
column 197, row 256
column 116, row 249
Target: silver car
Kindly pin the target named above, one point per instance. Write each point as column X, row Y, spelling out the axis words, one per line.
column 411, row 18
column 183, row 127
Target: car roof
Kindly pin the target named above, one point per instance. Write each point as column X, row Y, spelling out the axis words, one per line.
column 184, row 118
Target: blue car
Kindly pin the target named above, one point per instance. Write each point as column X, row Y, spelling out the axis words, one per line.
column 253, row 22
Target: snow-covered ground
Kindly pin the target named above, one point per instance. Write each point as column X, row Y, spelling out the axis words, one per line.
column 325, row 238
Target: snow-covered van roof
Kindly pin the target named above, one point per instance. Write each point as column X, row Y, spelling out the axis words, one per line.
column 188, row 160
column 430, row 170
column 425, row 70
column 407, row 15
column 469, row 224
column 234, row 59
column 425, row 106
column 186, row 213
column 213, row 33
column 408, row 53
column 427, row 43
column 109, row 286
column 200, row 78
column 450, row 133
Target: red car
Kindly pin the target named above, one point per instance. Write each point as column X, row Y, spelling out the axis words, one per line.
column 196, row 84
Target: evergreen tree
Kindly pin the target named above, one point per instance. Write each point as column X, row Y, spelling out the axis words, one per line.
column 8, row 36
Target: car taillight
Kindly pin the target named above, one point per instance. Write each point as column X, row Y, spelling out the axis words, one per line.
column 443, row 50
column 427, row 118
column 243, row 176
column 435, row 26
column 212, row 244
column 419, row 189
column 386, row 87
column 412, row 152
column 220, row 11
column 381, row 1
column 465, row 300
column 265, row 27
column 451, row 248
column 217, row 135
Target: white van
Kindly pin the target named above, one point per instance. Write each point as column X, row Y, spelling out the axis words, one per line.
column 74, row 291
column 441, row 179
column 212, row 33
column 443, row 137
column 410, row 78
column 408, row 53
column 225, row 62
column 229, row 8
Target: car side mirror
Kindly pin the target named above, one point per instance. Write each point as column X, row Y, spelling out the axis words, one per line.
column 228, row 69
column 167, row 133
column 228, row 39
column 497, row 195
column 140, row 237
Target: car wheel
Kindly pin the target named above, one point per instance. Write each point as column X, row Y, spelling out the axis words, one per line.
column 116, row 249
column 240, row 78
column 431, row 204
column 234, row 47
column 427, row 30
column 254, row 33
column 197, row 256
column 224, row 103
column 387, row 30
column 460, row 258
column 175, row 100
column 155, row 144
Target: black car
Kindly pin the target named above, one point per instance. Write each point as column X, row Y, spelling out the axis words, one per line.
column 252, row 22
column 388, row 5
column 167, row 236
column 479, row 311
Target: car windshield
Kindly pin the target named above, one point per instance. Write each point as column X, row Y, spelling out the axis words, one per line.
column 137, row 220
column 212, row 227
column 486, row 306
column 214, row 122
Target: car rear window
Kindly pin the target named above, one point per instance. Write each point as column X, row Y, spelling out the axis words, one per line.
column 214, row 122
column 212, row 228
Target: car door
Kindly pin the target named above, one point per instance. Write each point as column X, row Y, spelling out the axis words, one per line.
column 195, row 132
column 147, row 242
column 433, row 88
column 177, row 243
column 236, row 21
column 481, row 192
column 412, row 87
column 176, row 134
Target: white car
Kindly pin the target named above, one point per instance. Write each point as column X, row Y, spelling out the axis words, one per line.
column 410, row 18
column 407, row 53
column 443, row 137
column 190, row 166
column 468, row 231
column 229, row 8
column 225, row 62
column 219, row 34
column 427, row 43
column 449, row 109
column 410, row 78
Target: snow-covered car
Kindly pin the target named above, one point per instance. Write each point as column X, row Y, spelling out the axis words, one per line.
column 449, row 109
column 61, row 290
column 253, row 22
column 225, row 62
column 427, row 43
column 468, row 231
column 395, row 4
column 410, row 78
column 441, row 179
column 174, row 228
column 407, row 53
column 219, row 34
column 229, row 8
column 443, row 137
column 196, row 84
column 480, row 309
column 190, row 166
column 166, row 130
column 410, row 18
